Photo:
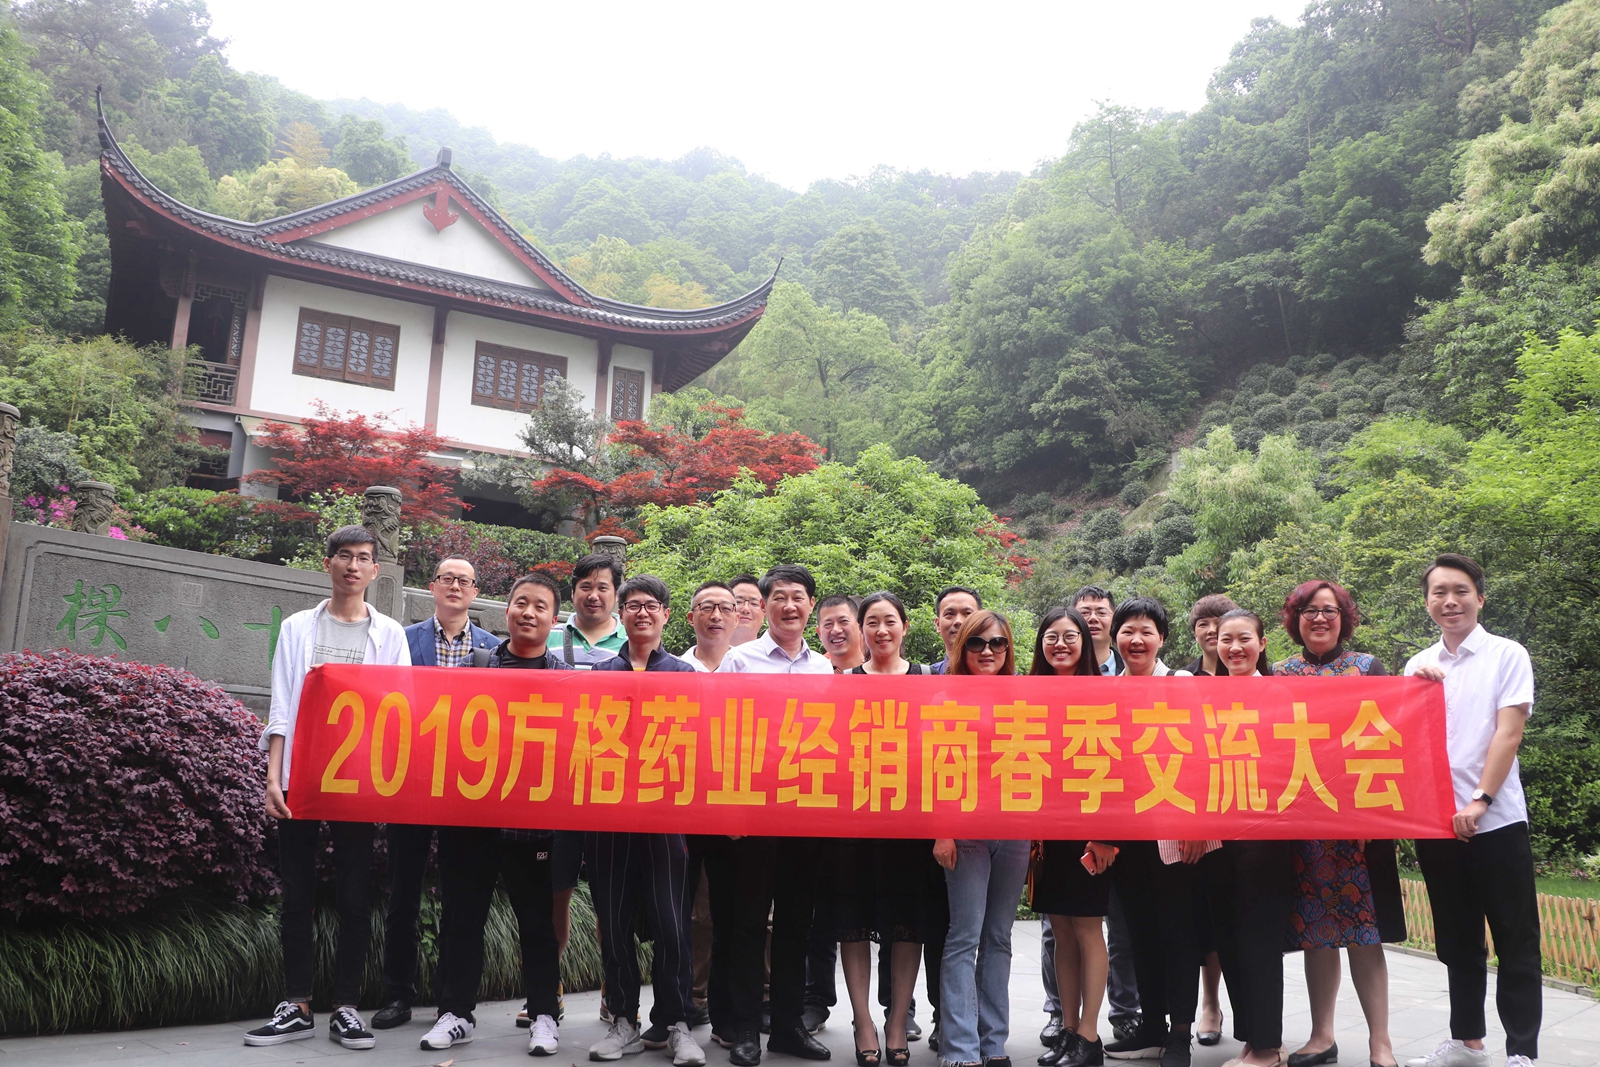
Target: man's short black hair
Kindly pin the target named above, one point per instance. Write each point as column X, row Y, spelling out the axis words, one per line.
column 456, row 559
column 938, row 601
column 597, row 561
column 703, row 586
column 1140, row 607
column 350, row 537
column 1094, row 592
column 1453, row 560
column 839, row 600
column 647, row 584
column 787, row 572
column 538, row 578
column 744, row 579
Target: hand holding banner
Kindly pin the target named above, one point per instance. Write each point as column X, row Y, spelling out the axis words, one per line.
column 854, row 756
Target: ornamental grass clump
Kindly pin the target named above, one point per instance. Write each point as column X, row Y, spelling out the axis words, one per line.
column 123, row 785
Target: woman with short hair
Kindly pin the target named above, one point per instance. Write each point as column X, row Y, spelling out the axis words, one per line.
column 984, row 880
column 1203, row 619
column 1346, row 893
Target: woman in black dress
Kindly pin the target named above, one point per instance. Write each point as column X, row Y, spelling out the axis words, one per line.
column 1069, row 884
column 885, row 890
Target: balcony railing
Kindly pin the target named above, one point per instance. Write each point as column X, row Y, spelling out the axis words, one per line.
column 210, row 383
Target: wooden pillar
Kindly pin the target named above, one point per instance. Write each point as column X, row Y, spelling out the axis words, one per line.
column 180, row 321
column 602, row 380
column 430, row 415
column 247, row 347
column 658, row 371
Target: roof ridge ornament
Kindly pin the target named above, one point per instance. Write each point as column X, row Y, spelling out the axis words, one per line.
column 439, row 212
column 443, row 158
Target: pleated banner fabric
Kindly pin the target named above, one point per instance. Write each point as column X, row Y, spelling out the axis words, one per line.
column 863, row 756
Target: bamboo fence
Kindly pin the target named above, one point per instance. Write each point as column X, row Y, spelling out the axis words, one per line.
column 1569, row 932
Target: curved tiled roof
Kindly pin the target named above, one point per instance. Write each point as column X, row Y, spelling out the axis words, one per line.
column 259, row 237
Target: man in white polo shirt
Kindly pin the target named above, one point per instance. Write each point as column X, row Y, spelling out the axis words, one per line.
column 1486, row 872
column 713, row 615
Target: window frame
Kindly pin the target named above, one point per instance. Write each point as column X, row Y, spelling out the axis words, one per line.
column 620, row 376
column 525, row 358
column 375, row 331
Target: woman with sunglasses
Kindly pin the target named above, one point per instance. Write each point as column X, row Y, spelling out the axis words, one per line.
column 889, row 891
column 984, row 879
column 1067, row 884
column 1346, row 893
column 1249, row 889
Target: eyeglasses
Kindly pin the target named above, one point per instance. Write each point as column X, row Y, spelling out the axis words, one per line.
column 641, row 607
column 448, row 580
column 351, row 557
column 748, row 601
column 995, row 644
column 1069, row 638
column 716, row 609
column 1324, row 613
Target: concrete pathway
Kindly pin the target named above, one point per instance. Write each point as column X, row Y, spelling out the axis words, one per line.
column 1419, row 1019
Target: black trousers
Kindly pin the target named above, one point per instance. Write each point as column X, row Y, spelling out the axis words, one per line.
column 1135, row 877
column 1122, row 986
column 739, row 874
column 822, row 990
column 472, row 859
column 1249, row 890
column 648, row 873
column 795, row 865
column 1488, row 877
column 297, row 867
column 408, row 864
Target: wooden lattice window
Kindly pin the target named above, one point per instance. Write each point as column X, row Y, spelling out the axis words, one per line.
column 627, row 395
column 346, row 349
column 512, row 378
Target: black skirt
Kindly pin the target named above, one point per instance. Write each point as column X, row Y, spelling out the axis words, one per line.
column 1061, row 886
column 886, row 890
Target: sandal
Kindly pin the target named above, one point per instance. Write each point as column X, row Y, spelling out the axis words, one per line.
column 899, row 1057
column 869, row 1057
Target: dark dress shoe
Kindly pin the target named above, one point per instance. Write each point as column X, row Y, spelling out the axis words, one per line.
column 1314, row 1059
column 1052, row 1030
column 1084, row 1053
column 393, row 1014
column 766, row 1018
column 933, row 1037
column 1056, row 1052
column 997, row 1061
column 1211, row 1037
column 746, row 1049
column 795, row 1041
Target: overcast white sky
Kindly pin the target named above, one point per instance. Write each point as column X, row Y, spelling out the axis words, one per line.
column 795, row 91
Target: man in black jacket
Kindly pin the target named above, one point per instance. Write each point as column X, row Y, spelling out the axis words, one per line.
column 473, row 858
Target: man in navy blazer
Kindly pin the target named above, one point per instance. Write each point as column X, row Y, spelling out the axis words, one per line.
column 446, row 639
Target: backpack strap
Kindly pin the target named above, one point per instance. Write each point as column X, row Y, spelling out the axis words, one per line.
column 566, row 646
column 481, row 657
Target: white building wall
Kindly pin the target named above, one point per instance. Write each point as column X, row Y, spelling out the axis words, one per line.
column 639, row 359
column 404, row 233
column 486, row 427
column 278, row 390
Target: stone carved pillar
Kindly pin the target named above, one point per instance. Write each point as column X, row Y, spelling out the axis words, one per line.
column 96, row 501
column 10, row 419
column 611, row 545
column 380, row 514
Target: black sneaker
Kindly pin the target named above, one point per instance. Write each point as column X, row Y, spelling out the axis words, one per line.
column 1177, row 1052
column 347, row 1029
column 698, row 1017
column 655, row 1036
column 1148, row 1043
column 290, row 1022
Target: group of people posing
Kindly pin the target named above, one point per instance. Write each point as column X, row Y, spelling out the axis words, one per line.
column 1152, row 926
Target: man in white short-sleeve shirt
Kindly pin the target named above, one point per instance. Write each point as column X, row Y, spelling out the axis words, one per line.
column 1486, row 871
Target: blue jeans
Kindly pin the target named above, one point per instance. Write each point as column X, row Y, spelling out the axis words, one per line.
column 975, row 987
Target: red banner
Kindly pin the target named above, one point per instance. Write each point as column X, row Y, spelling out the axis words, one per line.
column 853, row 756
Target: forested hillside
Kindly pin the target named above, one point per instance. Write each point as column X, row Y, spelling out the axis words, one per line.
column 1334, row 320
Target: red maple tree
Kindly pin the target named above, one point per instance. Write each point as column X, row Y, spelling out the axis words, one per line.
column 345, row 453
column 667, row 467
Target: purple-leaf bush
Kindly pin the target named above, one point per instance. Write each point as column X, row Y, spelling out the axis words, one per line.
column 122, row 784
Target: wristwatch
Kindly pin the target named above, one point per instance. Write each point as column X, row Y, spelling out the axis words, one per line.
column 1487, row 798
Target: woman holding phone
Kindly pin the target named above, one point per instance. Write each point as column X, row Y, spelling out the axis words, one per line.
column 885, row 890
column 1250, row 889
column 1068, row 887
column 984, row 879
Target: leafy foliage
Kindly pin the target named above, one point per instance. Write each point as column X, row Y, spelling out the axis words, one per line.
column 499, row 554
column 226, row 524
column 122, row 784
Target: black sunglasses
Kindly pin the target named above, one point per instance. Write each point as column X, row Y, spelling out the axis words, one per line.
column 997, row 645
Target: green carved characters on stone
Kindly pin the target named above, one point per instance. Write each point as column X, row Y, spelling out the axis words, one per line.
column 96, row 611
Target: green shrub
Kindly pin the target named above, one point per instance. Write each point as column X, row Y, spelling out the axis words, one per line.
column 1133, row 494
column 224, row 524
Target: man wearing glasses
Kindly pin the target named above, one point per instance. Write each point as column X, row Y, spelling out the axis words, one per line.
column 341, row 629
column 713, row 614
column 447, row 639
column 632, row 873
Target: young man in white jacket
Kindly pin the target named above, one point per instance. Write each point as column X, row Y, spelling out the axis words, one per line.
column 341, row 629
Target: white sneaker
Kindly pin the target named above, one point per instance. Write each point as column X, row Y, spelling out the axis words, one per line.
column 622, row 1039
column 449, row 1029
column 685, row 1050
column 1451, row 1053
column 542, row 1037
column 1518, row 1061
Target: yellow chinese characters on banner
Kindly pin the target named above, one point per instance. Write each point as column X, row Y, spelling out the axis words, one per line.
column 852, row 755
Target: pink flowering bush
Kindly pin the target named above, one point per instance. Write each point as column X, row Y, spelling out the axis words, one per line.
column 123, row 784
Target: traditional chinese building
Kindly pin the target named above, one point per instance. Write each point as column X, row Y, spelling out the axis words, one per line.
column 414, row 300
